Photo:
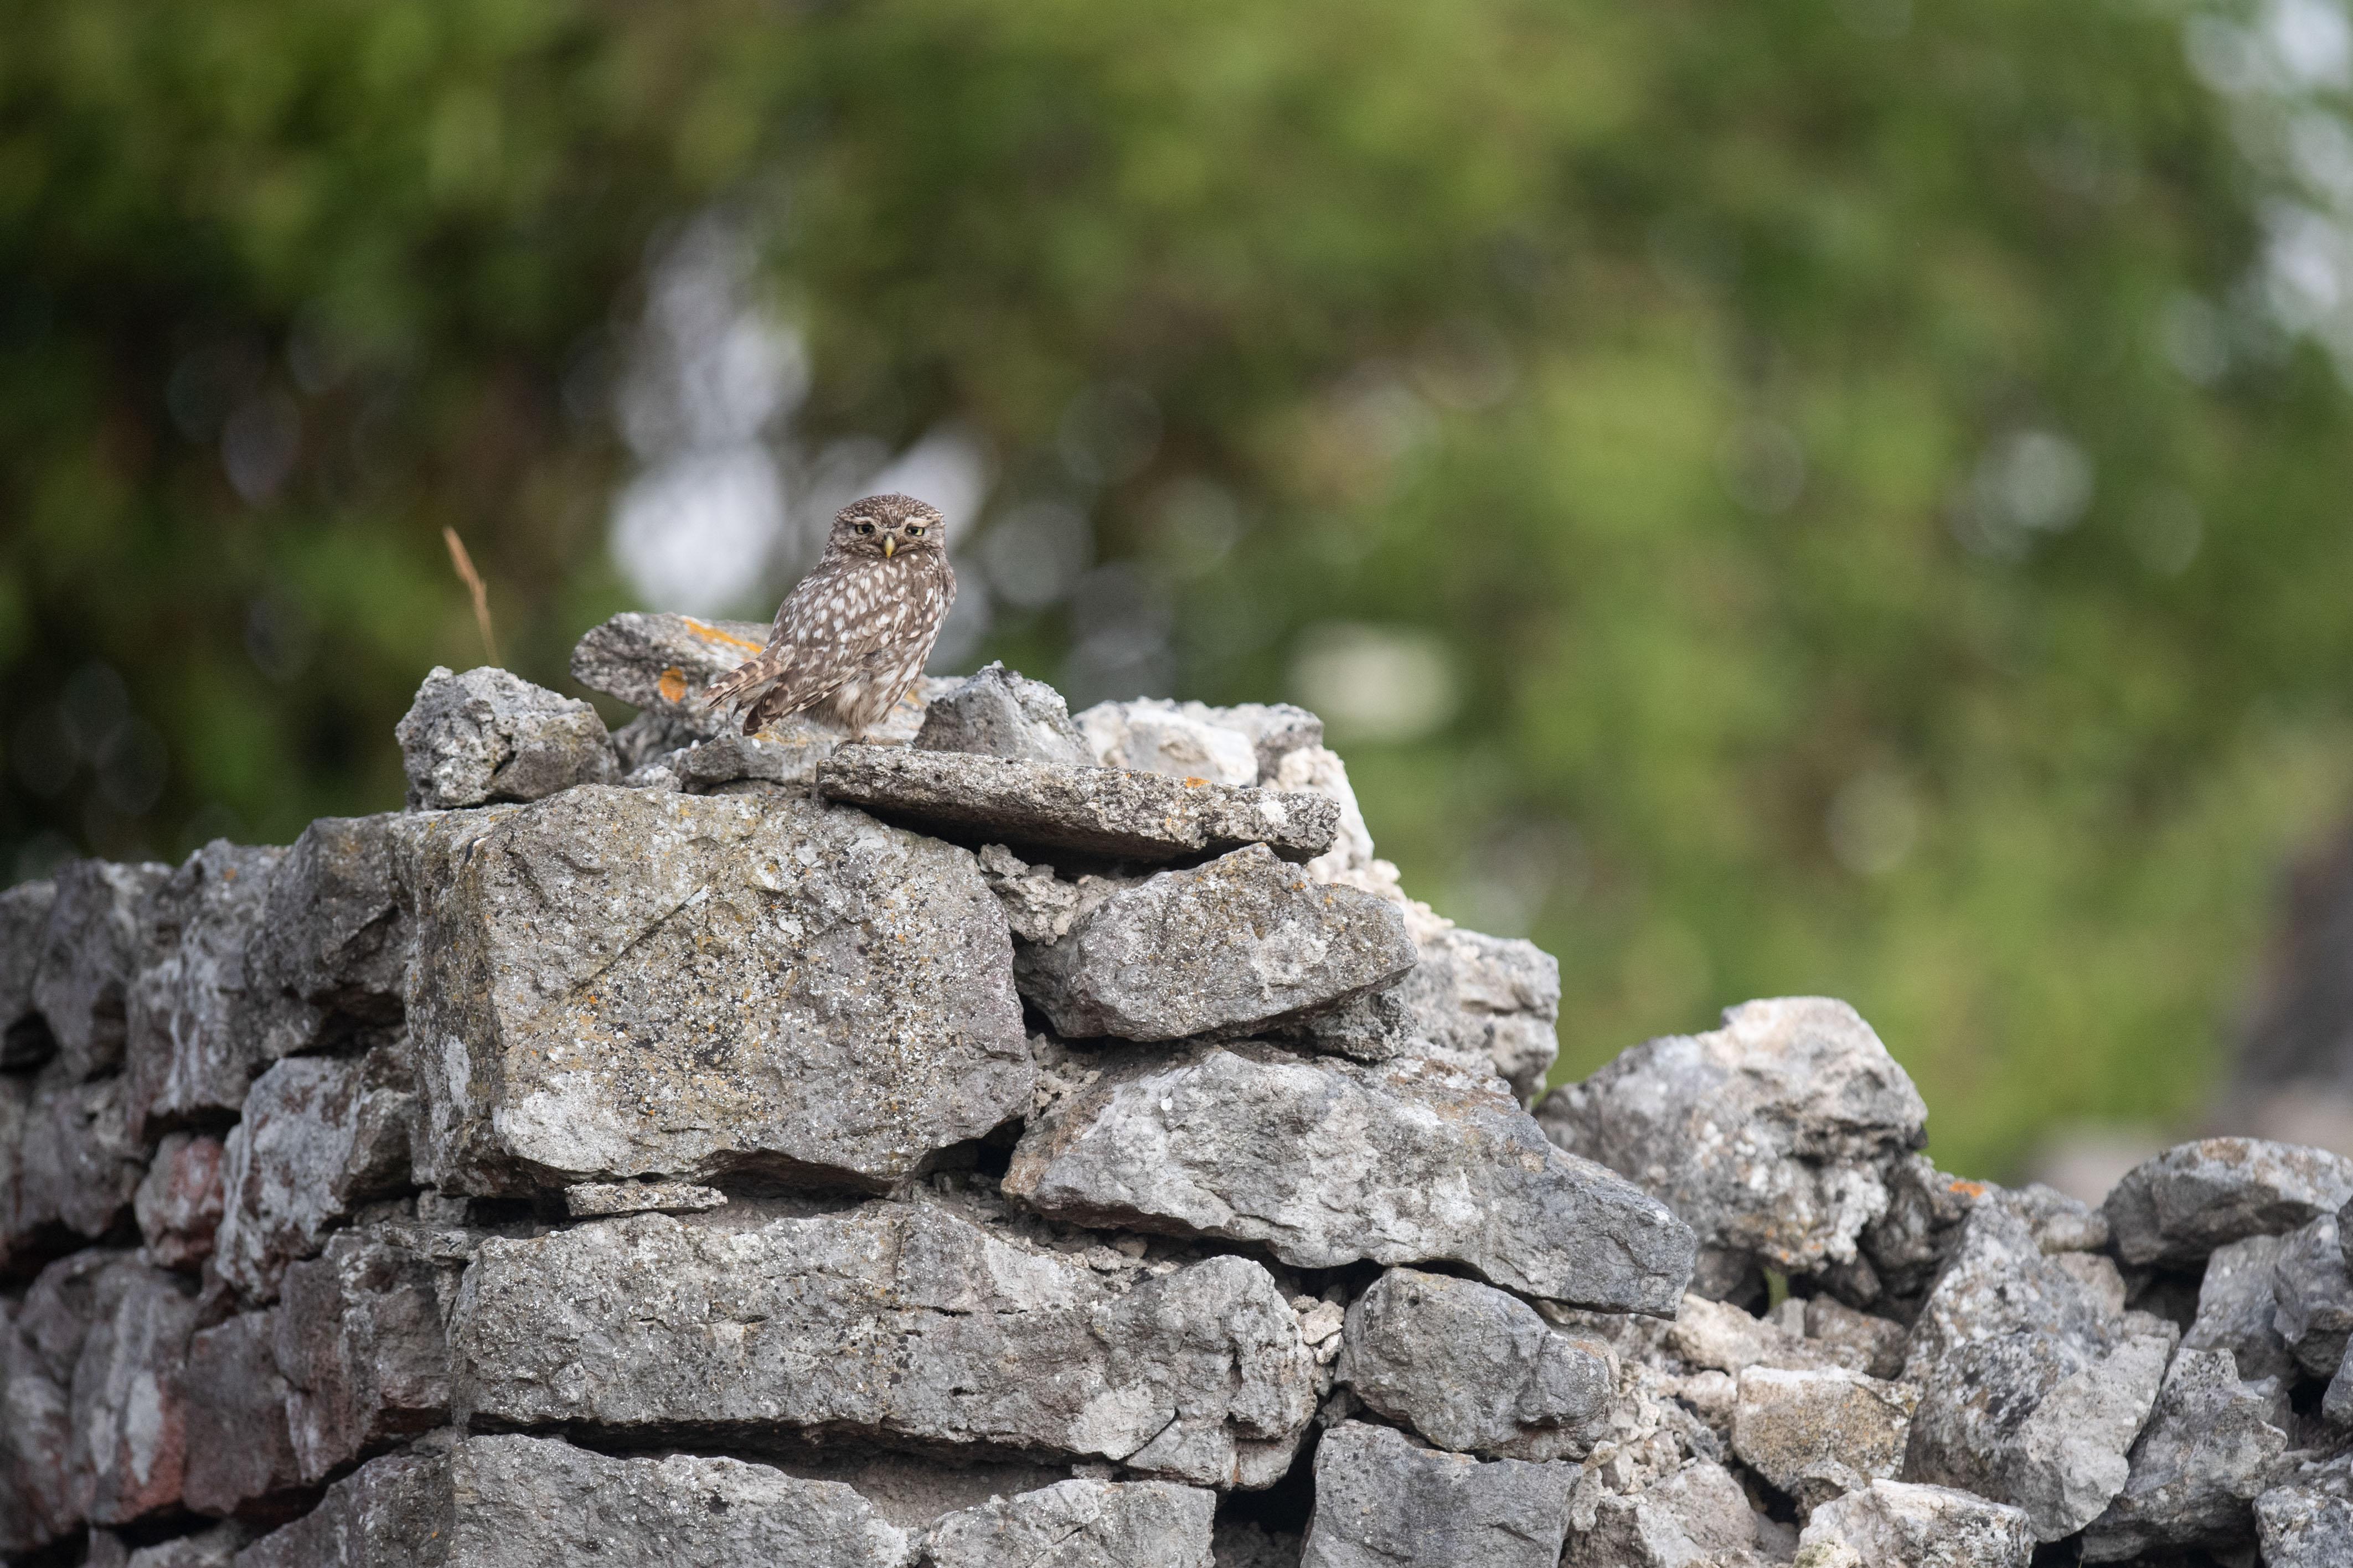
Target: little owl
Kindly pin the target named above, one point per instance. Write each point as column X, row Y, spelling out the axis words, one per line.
column 854, row 634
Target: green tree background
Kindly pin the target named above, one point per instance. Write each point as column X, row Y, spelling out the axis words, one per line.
column 1845, row 496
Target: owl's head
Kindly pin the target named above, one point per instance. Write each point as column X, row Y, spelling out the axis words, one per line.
column 888, row 526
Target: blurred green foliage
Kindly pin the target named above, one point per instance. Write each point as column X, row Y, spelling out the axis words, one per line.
column 1878, row 548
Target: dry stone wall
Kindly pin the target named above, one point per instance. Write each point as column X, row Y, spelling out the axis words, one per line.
column 1043, row 1141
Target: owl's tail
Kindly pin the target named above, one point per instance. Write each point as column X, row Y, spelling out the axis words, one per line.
column 757, row 670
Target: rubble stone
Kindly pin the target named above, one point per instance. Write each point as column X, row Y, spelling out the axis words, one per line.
column 999, row 713
column 2213, row 1444
column 1894, row 1524
column 213, row 1548
column 87, row 950
column 2236, row 1306
column 1380, row 1502
column 526, row 1502
column 1473, row 1370
column 1720, row 1335
column 1086, row 811
column 1769, row 1136
column 240, row 1452
column 2306, row 1521
column 1181, row 741
column 2178, row 1206
column 129, row 1399
column 664, row 663
column 603, row 1200
column 2032, row 1391
column 490, row 735
column 1327, row 1162
column 333, row 950
column 187, row 1054
column 768, row 986
column 78, row 1164
column 361, row 1344
column 889, row 1322
column 1240, row 943
column 25, row 1039
column 2313, row 1297
column 1818, row 1435
column 1489, row 998
column 733, row 763
column 1878, row 1343
column 1695, row 1516
column 179, row 1203
column 1073, row 1524
column 321, row 1135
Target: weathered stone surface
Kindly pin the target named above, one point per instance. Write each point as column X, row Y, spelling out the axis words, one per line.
column 129, row 1402
column 1489, row 998
column 78, row 1164
column 1818, row 1435
column 1039, row 906
column 1180, row 740
column 2306, row 1521
column 332, row 953
column 1695, row 1516
column 1327, row 1162
column 618, row 984
column 362, row 1342
column 664, row 663
column 1718, row 1334
column 487, row 736
column 528, row 1502
column 733, row 763
column 890, row 1323
column 16, row 1107
column 1878, row 1343
column 2032, row 1389
column 25, row 1039
column 603, row 1200
column 1242, row 944
column 1380, row 1502
column 2313, row 1297
column 88, row 950
column 321, row 1135
column 213, row 1548
column 1088, row 811
column 2235, row 1308
column 1078, row 1524
column 1892, row 1524
column 1769, row 1136
column 189, row 1055
column 240, row 1453
column 1473, row 1370
column 2211, row 1446
column 1002, row 714
column 41, row 1498
column 1246, row 1543
column 2183, row 1204
column 2337, row 1400
column 179, row 1203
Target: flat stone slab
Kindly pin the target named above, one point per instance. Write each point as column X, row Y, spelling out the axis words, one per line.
column 1380, row 1502
column 1327, row 1163
column 1105, row 812
column 529, row 1502
column 2178, row 1206
column 624, row 982
column 892, row 1323
column 1073, row 1524
column 1233, row 946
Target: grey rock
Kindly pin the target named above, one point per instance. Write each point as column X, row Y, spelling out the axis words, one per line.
column 1490, row 998
column 1819, row 1435
column 1769, row 1136
column 2235, row 1308
column 2337, row 1400
column 321, row 1135
column 732, row 763
column 1720, row 1335
column 241, row 1455
column 527, row 1502
column 603, row 1200
column 2032, row 1389
column 2306, row 1521
column 332, row 953
column 1039, row 906
column 891, row 1323
column 188, row 1054
column 44, row 1493
column 1473, row 1370
column 213, row 1548
column 129, row 1398
column 363, row 1344
column 1327, row 1162
column 1900, row 1254
column 25, row 1039
column 615, row 983
column 88, row 950
column 1087, row 811
column 1371, row 1027
column 664, row 663
column 1695, row 1516
column 487, row 736
column 16, row 1107
column 1078, row 1524
column 179, row 1203
column 999, row 713
column 1878, row 1342
column 1240, row 943
column 78, row 1164
column 2180, row 1205
column 2211, row 1446
column 1894, row 1524
column 2313, row 1297
column 1246, row 1543
column 1381, row 1501
column 1152, row 735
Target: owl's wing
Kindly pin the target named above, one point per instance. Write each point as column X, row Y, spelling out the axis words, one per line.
column 837, row 615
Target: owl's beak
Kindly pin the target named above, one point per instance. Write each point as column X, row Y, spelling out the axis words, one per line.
column 888, row 546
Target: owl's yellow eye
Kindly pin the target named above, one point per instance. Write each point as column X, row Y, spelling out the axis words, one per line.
column 865, row 528
column 916, row 531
